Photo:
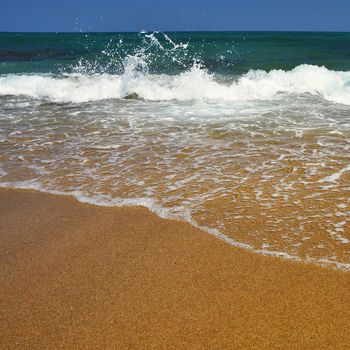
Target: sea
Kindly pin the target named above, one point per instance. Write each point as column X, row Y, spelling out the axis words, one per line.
column 245, row 135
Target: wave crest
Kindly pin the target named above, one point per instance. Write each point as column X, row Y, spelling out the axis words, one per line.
column 195, row 84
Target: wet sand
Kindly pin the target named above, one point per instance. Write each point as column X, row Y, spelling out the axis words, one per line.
column 76, row 276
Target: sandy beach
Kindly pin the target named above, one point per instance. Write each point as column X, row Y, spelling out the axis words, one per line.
column 77, row 276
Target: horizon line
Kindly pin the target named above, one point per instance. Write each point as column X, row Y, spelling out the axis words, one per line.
column 173, row 31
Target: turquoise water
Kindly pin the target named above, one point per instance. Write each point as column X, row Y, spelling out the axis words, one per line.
column 220, row 52
column 244, row 135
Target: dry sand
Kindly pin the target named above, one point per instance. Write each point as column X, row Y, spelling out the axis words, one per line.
column 76, row 276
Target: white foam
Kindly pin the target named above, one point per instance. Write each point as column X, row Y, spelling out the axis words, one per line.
column 2, row 172
column 195, row 84
column 336, row 176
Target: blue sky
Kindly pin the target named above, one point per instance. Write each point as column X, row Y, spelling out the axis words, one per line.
column 135, row 15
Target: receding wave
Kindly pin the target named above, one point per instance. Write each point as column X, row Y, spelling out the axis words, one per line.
column 195, row 84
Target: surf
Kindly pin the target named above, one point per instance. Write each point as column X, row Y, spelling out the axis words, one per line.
column 163, row 125
column 195, row 84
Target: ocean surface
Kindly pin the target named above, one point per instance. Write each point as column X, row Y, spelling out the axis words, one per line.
column 244, row 135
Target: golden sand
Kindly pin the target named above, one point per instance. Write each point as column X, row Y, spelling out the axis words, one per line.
column 76, row 276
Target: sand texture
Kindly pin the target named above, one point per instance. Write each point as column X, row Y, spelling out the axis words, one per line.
column 77, row 276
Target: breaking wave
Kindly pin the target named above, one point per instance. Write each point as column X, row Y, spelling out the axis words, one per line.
column 194, row 84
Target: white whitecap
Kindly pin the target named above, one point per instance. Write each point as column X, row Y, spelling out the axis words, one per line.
column 195, row 84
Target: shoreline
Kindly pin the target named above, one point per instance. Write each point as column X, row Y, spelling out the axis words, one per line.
column 88, row 277
column 164, row 214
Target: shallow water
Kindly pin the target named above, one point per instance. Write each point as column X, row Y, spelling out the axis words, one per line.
column 260, row 158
